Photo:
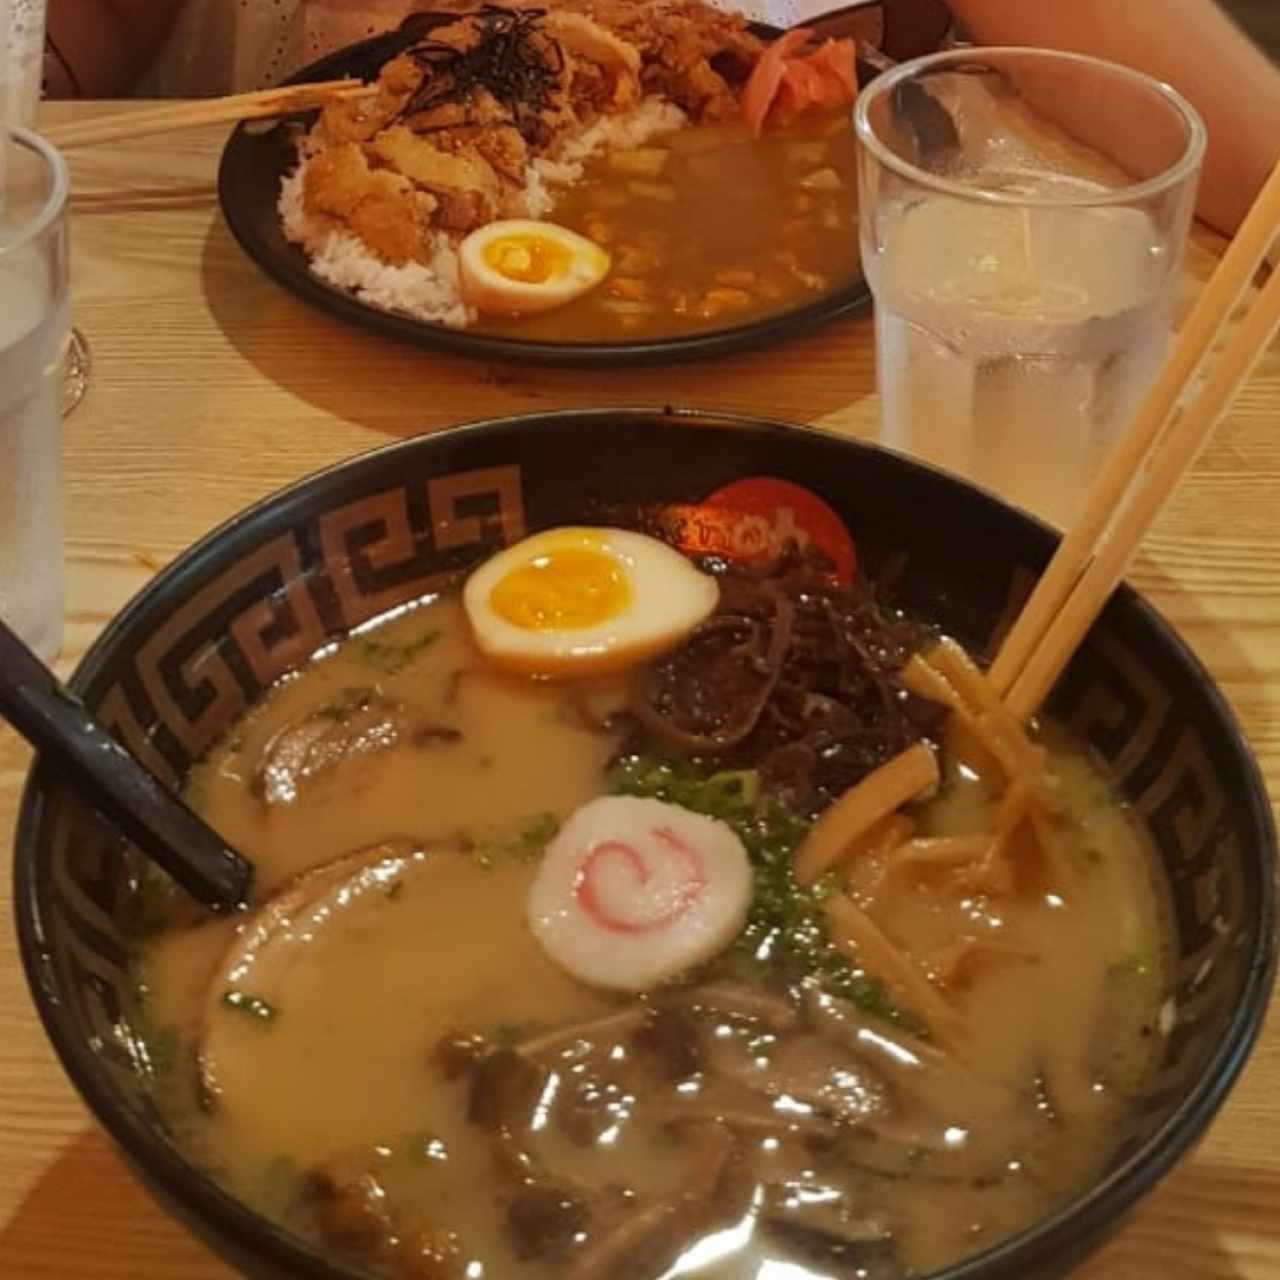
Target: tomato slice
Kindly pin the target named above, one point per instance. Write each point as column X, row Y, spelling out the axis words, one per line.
column 753, row 520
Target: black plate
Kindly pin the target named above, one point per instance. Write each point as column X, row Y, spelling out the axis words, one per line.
column 254, row 163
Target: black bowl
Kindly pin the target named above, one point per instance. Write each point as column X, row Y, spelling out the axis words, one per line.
column 260, row 594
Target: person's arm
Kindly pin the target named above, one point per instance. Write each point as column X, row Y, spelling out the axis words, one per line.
column 1191, row 44
column 105, row 45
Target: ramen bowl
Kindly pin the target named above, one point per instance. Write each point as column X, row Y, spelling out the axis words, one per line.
column 258, row 596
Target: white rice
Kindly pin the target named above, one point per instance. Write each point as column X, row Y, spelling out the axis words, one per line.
column 430, row 291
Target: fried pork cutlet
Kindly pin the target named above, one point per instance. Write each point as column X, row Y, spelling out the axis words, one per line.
column 695, row 55
column 480, row 124
column 463, row 181
column 498, row 55
column 501, row 145
column 603, row 69
column 462, row 35
column 478, row 108
column 358, row 119
column 383, row 208
column 447, row 139
column 584, row 38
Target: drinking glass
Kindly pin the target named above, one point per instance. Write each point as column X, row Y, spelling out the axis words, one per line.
column 1023, row 218
column 21, row 60
column 33, row 334
column 21, row 67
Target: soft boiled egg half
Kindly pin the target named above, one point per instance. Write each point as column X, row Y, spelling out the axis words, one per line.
column 519, row 266
column 584, row 601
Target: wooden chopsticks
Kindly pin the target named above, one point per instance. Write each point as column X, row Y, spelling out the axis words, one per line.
column 259, row 105
column 1161, row 443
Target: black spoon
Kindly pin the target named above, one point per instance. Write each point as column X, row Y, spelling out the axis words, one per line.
column 59, row 725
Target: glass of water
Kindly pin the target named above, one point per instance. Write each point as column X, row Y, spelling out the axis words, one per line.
column 33, row 336
column 22, row 25
column 1023, row 218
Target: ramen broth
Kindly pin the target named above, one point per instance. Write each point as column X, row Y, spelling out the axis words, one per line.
column 710, row 1109
column 708, row 228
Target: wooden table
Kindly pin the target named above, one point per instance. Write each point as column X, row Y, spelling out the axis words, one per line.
column 212, row 387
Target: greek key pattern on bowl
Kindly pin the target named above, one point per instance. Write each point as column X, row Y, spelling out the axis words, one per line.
column 273, row 609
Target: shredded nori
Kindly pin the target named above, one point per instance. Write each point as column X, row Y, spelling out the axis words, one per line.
column 513, row 59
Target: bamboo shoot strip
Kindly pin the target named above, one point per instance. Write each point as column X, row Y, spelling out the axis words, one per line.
column 909, row 774
column 856, row 934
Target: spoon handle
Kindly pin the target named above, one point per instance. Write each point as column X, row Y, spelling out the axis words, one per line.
column 58, row 725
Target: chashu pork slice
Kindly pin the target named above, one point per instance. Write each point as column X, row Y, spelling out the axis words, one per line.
column 280, row 935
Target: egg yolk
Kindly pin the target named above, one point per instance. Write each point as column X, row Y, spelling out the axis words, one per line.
column 528, row 259
column 562, row 590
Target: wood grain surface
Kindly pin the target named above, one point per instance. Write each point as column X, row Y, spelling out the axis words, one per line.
column 212, row 387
